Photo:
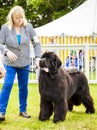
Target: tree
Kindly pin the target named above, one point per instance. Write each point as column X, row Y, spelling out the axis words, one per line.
column 22, row 3
column 5, row 6
column 44, row 11
column 39, row 12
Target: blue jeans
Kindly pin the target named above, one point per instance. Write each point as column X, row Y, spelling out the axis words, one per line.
column 22, row 76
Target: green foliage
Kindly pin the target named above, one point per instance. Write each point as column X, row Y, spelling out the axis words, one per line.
column 39, row 12
column 5, row 6
column 22, row 3
column 75, row 3
column 75, row 120
column 2, row 17
column 46, row 11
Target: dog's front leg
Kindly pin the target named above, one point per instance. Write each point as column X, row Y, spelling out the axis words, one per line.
column 60, row 110
column 46, row 109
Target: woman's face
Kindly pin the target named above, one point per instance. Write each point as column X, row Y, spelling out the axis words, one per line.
column 17, row 19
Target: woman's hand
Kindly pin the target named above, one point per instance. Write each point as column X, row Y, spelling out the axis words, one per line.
column 37, row 62
column 2, row 72
column 12, row 57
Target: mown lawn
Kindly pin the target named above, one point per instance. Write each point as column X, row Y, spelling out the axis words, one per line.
column 76, row 120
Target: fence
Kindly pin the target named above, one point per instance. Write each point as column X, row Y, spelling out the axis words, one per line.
column 69, row 39
column 89, row 59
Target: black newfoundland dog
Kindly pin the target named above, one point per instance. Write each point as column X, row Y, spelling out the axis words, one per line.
column 61, row 90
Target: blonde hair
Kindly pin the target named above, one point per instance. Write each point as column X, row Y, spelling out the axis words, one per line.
column 15, row 9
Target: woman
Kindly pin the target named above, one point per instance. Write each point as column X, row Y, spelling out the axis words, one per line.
column 15, row 37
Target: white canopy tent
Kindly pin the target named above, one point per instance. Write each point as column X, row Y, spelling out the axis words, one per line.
column 82, row 21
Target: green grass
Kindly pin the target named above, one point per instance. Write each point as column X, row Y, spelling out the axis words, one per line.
column 92, row 75
column 76, row 120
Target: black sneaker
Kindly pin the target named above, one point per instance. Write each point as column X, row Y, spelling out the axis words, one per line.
column 24, row 114
column 2, row 117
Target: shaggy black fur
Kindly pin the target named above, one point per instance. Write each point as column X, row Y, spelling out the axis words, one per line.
column 61, row 90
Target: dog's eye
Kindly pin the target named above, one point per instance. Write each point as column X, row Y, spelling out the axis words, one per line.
column 54, row 60
column 47, row 59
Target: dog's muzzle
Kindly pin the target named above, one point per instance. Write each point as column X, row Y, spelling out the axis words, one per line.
column 42, row 62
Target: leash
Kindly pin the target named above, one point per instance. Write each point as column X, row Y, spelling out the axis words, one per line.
column 31, row 71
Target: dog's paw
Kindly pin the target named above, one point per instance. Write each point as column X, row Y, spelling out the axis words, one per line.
column 43, row 118
column 91, row 111
column 58, row 120
column 70, row 109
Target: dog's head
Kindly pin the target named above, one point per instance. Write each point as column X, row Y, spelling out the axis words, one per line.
column 50, row 63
